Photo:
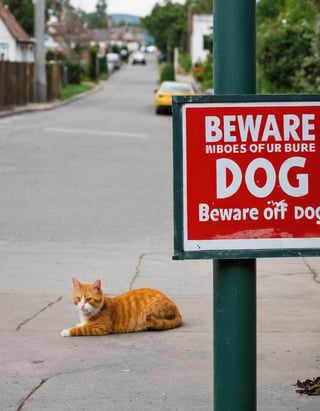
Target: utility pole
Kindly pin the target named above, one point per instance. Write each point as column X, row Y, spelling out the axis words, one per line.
column 40, row 72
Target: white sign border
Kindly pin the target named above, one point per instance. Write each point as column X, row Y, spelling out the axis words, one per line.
column 239, row 244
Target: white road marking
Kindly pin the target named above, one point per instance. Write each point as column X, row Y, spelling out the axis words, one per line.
column 96, row 132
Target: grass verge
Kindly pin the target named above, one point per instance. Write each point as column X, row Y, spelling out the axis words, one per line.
column 74, row 89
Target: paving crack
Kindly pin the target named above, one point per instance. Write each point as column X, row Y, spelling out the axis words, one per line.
column 35, row 389
column 315, row 275
column 24, row 322
column 59, row 374
column 138, row 270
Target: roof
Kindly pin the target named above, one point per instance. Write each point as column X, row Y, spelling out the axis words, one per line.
column 12, row 25
column 72, row 31
column 99, row 34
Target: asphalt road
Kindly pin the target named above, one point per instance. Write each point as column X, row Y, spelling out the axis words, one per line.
column 96, row 173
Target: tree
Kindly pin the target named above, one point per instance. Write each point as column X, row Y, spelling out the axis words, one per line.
column 167, row 24
column 267, row 10
column 202, row 6
column 98, row 20
column 101, row 9
column 57, row 6
column 281, row 53
column 23, row 11
column 288, row 47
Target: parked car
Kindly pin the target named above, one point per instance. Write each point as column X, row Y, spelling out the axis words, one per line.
column 168, row 89
column 124, row 54
column 138, row 57
column 113, row 62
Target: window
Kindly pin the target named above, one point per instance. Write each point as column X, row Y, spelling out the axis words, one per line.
column 207, row 42
column 4, row 51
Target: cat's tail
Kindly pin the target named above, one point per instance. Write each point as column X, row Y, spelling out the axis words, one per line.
column 155, row 323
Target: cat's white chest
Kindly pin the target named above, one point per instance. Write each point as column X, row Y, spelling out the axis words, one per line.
column 83, row 318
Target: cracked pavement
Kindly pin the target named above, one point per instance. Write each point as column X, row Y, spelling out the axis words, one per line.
column 157, row 371
column 149, row 366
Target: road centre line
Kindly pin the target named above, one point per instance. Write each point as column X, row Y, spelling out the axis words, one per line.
column 96, row 132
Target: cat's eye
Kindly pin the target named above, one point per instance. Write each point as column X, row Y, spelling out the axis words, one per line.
column 77, row 298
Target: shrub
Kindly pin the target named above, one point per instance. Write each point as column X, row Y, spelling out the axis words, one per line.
column 185, row 61
column 281, row 51
column 50, row 55
column 93, row 69
column 75, row 72
column 207, row 82
column 203, row 73
column 55, row 55
column 167, row 72
column 103, row 70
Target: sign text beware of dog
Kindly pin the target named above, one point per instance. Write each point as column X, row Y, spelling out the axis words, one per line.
column 249, row 179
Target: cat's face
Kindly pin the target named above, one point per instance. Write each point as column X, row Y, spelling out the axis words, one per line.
column 88, row 298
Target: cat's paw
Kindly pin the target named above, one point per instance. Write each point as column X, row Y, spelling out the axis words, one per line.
column 65, row 333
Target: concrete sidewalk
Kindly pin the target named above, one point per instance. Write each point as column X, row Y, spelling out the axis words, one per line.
column 188, row 78
column 156, row 371
column 30, row 107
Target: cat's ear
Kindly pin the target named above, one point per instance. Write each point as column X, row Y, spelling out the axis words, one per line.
column 76, row 283
column 97, row 285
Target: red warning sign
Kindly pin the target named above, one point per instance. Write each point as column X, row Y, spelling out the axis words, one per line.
column 251, row 175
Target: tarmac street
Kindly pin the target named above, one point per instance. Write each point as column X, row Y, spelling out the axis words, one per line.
column 86, row 191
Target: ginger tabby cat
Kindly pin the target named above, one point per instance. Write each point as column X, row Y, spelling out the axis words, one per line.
column 136, row 310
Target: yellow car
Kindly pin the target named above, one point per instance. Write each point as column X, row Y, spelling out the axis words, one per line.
column 168, row 89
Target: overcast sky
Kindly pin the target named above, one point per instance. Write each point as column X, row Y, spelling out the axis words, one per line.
column 136, row 7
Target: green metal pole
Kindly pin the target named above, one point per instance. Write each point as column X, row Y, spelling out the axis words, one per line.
column 234, row 46
column 235, row 335
column 235, row 352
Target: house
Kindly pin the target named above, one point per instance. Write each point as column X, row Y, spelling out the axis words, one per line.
column 15, row 44
column 54, row 40
column 100, row 38
column 126, row 36
column 201, row 37
column 69, row 36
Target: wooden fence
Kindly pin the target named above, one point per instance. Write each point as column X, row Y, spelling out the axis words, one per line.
column 17, row 83
column 54, row 78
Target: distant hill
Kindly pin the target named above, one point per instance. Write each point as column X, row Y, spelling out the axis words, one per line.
column 128, row 18
column 131, row 20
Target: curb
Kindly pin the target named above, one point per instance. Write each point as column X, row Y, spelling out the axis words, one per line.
column 31, row 107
